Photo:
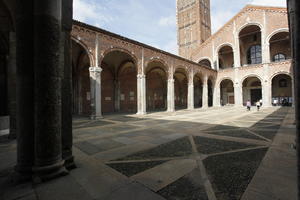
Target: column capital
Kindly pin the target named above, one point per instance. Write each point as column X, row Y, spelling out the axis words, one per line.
column 171, row 80
column 141, row 76
column 95, row 69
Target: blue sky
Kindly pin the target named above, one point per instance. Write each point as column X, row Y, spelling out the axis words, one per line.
column 152, row 22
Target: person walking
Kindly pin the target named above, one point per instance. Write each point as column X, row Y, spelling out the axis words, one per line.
column 248, row 104
column 258, row 105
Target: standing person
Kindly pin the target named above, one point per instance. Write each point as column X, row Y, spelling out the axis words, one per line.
column 258, row 105
column 260, row 102
column 248, row 104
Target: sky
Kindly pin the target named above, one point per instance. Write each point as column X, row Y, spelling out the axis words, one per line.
column 153, row 22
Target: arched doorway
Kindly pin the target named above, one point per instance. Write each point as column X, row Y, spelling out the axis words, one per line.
column 156, row 87
column 210, row 91
column 80, row 80
column 118, row 83
column 226, row 92
column 181, row 88
column 225, row 57
column 206, row 63
column 252, row 90
column 282, row 90
column 198, row 91
column 280, row 48
column 250, row 45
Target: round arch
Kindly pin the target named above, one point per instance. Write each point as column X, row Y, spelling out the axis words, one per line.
column 208, row 59
column 252, row 88
column 224, row 78
column 164, row 65
column 223, row 45
column 112, row 49
column 281, row 89
column 85, row 47
column 250, row 24
column 226, row 91
column 274, row 33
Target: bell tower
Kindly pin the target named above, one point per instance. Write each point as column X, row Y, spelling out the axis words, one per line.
column 193, row 25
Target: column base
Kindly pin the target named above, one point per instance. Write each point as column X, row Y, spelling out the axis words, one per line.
column 173, row 110
column 45, row 173
column 94, row 117
column 141, row 113
column 69, row 163
column 22, row 174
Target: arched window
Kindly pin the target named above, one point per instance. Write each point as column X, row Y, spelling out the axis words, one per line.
column 279, row 57
column 254, row 55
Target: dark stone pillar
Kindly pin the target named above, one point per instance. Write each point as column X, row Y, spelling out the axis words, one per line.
column 67, row 136
column 12, row 86
column 48, row 161
column 294, row 25
column 25, row 88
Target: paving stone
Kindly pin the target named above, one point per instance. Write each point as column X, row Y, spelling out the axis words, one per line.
column 124, row 140
column 174, row 136
column 134, row 191
column 122, row 151
column 87, row 147
column 176, row 148
column 210, row 146
column 105, row 144
column 160, row 176
column 231, row 173
column 189, row 187
column 132, row 168
column 56, row 189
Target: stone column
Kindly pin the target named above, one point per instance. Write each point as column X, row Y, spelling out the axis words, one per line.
column 11, row 71
column 238, row 94
column 48, row 161
column 25, row 88
column 95, row 80
column 236, row 52
column 171, row 95
column 66, row 62
column 117, row 95
column 191, row 93
column 205, row 93
column 217, row 96
column 266, row 93
column 141, row 94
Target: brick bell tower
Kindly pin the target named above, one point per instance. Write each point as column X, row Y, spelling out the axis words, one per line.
column 193, row 25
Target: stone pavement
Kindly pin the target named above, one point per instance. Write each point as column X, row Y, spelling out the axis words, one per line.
column 223, row 153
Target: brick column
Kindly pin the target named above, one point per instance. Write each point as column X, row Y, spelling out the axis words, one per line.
column 95, row 81
column 191, row 93
column 141, row 94
column 205, row 93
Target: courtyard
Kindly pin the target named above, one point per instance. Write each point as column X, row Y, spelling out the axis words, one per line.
column 223, row 153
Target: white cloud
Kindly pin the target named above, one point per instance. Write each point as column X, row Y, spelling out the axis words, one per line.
column 218, row 19
column 280, row 3
column 167, row 21
column 171, row 47
column 89, row 12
